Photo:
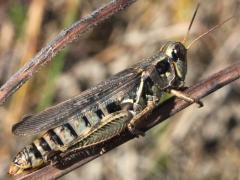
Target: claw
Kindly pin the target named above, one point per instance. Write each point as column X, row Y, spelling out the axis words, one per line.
column 200, row 103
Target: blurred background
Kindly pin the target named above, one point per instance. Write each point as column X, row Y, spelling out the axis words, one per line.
column 194, row 144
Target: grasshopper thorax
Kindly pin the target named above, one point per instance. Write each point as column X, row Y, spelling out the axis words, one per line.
column 177, row 54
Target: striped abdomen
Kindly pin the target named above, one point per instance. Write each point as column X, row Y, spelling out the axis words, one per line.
column 57, row 139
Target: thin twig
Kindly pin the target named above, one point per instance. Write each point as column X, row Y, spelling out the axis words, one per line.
column 46, row 54
column 159, row 114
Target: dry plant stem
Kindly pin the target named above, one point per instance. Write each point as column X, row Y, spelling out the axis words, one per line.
column 65, row 37
column 159, row 114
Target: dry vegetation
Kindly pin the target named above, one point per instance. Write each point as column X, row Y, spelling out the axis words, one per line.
column 195, row 144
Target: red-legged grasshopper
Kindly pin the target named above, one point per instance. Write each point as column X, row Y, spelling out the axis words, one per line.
column 102, row 112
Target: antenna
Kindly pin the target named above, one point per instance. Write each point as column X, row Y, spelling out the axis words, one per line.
column 209, row 31
column 191, row 23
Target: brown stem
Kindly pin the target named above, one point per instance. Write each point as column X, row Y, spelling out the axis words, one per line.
column 159, row 114
column 46, row 54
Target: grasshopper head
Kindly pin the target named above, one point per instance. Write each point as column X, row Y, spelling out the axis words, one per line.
column 177, row 54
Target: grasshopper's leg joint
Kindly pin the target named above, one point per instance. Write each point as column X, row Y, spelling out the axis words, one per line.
column 133, row 130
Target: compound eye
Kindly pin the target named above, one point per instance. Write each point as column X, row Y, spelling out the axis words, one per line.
column 176, row 53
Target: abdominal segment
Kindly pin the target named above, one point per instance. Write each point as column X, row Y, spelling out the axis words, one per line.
column 59, row 139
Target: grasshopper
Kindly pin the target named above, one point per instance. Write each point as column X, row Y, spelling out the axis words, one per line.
column 104, row 111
